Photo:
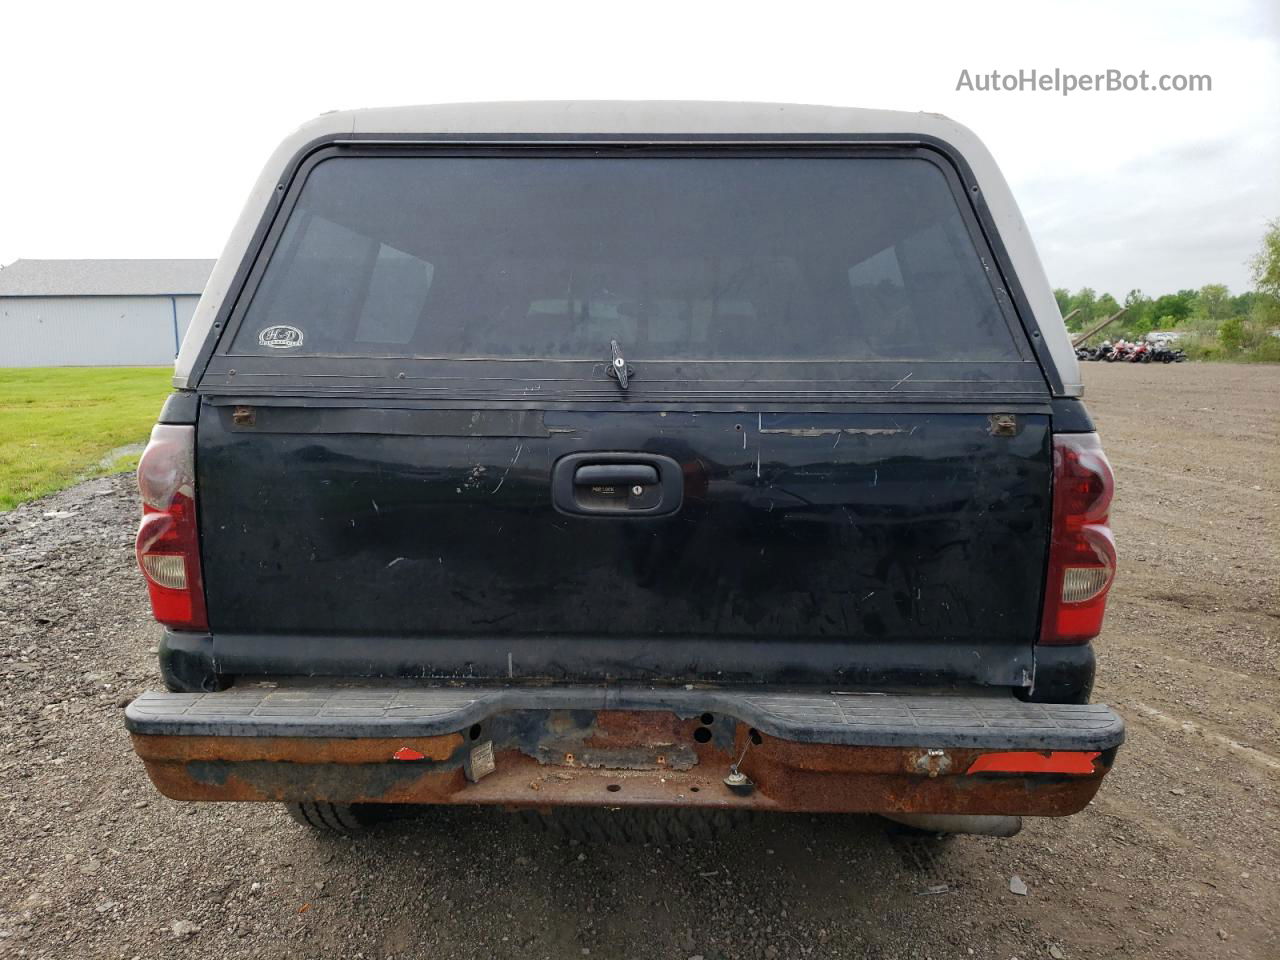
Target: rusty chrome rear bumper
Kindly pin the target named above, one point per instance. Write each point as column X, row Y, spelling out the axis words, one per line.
column 597, row 746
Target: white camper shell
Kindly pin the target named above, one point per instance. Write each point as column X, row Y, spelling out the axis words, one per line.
column 1022, row 278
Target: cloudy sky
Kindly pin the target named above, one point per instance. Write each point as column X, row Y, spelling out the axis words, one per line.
column 135, row 130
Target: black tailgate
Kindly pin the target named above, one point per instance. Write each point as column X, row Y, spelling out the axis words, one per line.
column 874, row 530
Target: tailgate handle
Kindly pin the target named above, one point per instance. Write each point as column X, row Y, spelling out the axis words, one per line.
column 610, row 474
column 617, row 484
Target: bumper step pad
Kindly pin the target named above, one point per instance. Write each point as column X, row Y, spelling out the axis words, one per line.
column 888, row 720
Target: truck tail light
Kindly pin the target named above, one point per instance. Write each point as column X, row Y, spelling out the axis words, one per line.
column 168, row 545
column 1082, row 552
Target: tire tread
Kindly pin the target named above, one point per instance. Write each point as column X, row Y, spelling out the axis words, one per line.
column 661, row 826
column 326, row 817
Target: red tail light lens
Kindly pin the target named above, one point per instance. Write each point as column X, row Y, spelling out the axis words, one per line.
column 1082, row 552
column 168, row 545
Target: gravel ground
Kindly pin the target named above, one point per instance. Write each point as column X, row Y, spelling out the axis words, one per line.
column 1179, row 856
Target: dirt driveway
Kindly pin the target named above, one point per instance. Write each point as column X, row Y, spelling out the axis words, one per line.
column 1178, row 857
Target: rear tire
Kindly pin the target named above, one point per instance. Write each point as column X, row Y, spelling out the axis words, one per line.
column 661, row 826
column 340, row 818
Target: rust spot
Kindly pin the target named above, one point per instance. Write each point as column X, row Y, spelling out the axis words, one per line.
column 1003, row 425
column 833, row 431
column 621, row 728
column 316, row 750
column 787, row 775
column 931, row 763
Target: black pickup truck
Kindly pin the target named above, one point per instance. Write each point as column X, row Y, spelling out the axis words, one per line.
column 696, row 457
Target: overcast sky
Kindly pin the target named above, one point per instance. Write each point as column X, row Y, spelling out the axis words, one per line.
column 136, row 130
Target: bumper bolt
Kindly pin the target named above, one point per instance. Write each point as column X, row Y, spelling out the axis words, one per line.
column 739, row 783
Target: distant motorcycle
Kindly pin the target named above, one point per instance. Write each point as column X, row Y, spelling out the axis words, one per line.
column 1163, row 353
column 1119, row 351
column 1140, row 353
column 1094, row 353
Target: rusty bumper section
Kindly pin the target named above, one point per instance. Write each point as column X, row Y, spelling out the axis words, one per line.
column 612, row 747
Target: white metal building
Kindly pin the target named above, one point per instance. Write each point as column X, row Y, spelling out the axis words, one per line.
column 97, row 312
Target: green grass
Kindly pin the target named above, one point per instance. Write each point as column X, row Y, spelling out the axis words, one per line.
column 59, row 425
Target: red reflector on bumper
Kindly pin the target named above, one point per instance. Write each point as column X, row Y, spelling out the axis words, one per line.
column 1027, row 761
column 408, row 753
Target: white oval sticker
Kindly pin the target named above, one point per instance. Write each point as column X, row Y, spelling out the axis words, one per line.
column 281, row 336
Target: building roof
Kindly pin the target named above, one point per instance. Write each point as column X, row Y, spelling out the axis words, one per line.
column 104, row 278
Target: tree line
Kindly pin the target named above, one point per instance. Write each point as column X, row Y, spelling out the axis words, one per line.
column 1215, row 324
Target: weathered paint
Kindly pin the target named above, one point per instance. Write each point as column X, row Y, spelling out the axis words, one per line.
column 613, row 758
column 314, row 750
column 918, row 540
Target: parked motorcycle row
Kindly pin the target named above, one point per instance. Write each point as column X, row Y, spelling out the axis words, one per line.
column 1130, row 351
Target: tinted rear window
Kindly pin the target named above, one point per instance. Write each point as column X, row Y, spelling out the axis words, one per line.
column 682, row 259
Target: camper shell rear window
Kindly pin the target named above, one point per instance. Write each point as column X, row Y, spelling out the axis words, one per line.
column 692, row 264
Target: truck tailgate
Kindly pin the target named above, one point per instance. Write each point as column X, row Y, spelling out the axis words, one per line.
column 806, row 544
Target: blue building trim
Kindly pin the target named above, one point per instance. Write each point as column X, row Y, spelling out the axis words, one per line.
column 177, row 340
